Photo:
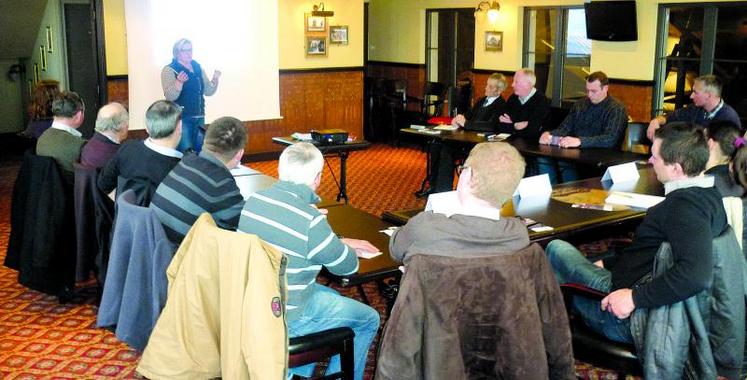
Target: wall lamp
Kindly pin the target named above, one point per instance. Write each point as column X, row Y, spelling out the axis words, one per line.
column 318, row 11
column 490, row 7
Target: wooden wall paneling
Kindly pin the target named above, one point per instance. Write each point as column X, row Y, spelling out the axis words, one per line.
column 637, row 98
column 310, row 99
column 117, row 90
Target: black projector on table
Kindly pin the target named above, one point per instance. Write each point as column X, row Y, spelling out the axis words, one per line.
column 329, row 136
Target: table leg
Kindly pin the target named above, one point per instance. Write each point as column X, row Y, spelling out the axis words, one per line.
column 343, row 194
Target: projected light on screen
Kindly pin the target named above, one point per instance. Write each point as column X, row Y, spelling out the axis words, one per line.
column 237, row 37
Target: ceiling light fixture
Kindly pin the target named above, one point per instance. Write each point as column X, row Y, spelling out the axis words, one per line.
column 490, row 7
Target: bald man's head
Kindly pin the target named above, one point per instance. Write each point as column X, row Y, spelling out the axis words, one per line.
column 113, row 121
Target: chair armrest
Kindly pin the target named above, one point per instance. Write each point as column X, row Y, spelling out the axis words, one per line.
column 582, row 290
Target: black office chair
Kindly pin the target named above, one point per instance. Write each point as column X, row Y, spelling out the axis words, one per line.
column 434, row 96
column 460, row 97
column 593, row 348
column 322, row 345
column 635, row 139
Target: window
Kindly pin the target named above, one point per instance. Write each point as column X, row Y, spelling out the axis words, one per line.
column 556, row 47
column 700, row 39
column 450, row 44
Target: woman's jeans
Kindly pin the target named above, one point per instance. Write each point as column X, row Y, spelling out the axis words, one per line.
column 193, row 133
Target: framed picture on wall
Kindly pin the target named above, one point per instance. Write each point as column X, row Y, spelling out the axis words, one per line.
column 338, row 34
column 493, row 41
column 43, row 57
column 316, row 46
column 49, row 40
column 315, row 23
column 36, row 73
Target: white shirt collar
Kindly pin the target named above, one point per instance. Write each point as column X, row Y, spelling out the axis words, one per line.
column 712, row 114
column 66, row 128
column 489, row 100
column 524, row 99
column 704, row 181
column 112, row 139
column 482, row 212
column 162, row 149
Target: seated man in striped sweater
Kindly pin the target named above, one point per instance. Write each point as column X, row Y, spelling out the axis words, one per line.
column 203, row 183
column 285, row 216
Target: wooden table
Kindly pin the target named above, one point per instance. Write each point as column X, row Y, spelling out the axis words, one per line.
column 566, row 221
column 340, row 150
column 597, row 157
column 344, row 220
column 350, row 222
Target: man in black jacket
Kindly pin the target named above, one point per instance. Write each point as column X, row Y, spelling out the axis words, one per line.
column 482, row 117
column 689, row 218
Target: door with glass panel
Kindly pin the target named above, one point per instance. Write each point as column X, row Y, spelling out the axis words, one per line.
column 556, row 47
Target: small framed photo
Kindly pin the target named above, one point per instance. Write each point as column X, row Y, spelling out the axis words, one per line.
column 43, row 57
column 316, row 45
column 493, row 41
column 338, row 34
column 315, row 23
column 37, row 77
column 50, row 49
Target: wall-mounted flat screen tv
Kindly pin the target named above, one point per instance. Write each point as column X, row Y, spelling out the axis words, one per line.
column 613, row 20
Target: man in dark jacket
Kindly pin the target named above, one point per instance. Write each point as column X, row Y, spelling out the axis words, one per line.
column 689, row 218
column 527, row 109
column 475, row 236
column 596, row 121
column 483, row 117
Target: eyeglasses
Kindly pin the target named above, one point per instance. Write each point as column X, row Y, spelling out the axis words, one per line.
column 460, row 169
column 186, row 50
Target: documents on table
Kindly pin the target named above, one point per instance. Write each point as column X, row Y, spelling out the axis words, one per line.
column 633, row 200
column 446, row 127
column 242, row 170
column 301, row 136
column 389, row 231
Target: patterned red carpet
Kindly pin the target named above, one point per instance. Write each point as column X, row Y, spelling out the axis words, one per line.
column 41, row 339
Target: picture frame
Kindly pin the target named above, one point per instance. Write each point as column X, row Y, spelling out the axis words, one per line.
column 43, row 57
column 338, row 34
column 316, row 46
column 37, row 77
column 50, row 48
column 315, row 23
column 493, row 40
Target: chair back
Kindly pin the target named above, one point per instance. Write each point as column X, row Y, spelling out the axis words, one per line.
column 41, row 245
column 135, row 287
column 460, row 97
column 226, row 306
column 94, row 214
column 557, row 115
column 635, row 139
column 455, row 318
column 434, row 96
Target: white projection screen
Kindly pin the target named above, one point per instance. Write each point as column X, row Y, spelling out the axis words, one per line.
column 237, row 37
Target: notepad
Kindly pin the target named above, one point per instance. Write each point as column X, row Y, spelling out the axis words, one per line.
column 446, row 127
column 633, row 199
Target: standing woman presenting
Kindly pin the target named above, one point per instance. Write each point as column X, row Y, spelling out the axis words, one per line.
column 185, row 83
